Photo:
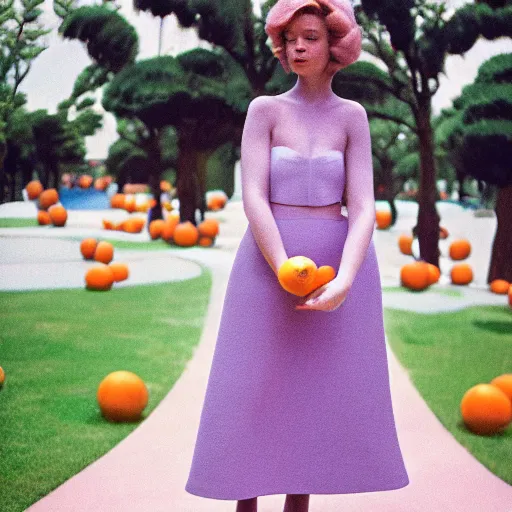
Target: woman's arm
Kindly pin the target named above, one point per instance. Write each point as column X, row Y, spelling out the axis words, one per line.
column 360, row 194
column 255, row 181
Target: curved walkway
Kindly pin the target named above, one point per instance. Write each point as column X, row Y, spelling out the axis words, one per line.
column 28, row 263
column 147, row 471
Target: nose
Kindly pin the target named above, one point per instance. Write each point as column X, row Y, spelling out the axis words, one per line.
column 300, row 47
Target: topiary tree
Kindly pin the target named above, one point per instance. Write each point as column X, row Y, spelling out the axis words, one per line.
column 21, row 41
column 481, row 140
column 179, row 92
column 412, row 38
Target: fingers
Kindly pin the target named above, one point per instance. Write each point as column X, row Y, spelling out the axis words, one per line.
column 317, row 304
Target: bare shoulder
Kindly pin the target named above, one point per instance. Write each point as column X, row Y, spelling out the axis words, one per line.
column 351, row 107
column 261, row 106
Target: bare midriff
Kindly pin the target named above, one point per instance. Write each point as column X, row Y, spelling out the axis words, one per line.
column 287, row 211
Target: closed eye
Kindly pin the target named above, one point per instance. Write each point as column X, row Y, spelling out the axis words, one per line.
column 308, row 38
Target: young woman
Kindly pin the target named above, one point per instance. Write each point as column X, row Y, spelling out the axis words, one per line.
column 298, row 399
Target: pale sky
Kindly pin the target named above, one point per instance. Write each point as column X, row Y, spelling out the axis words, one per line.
column 53, row 73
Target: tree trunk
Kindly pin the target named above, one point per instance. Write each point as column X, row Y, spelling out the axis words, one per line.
column 160, row 36
column 3, row 181
column 392, row 207
column 155, row 212
column 155, row 174
column 428, row 218
column 45, row 174
column 501, row 258
column 12, row 186
column 202, row 168
column 186, row 182
column 387, row 169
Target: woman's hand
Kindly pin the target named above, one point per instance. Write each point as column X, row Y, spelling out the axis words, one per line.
column 328, row 297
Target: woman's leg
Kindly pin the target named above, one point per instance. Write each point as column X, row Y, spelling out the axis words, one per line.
column 296, row 503
column 249, row 505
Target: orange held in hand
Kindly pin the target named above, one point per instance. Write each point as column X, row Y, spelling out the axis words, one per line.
column 323, row 275
column 297, row 275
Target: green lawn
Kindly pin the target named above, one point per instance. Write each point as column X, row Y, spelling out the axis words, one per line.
column 145, row 245
column 18, row 223
column 448, row 353
column 56, row 347
column 152, row 245
column 435, row 289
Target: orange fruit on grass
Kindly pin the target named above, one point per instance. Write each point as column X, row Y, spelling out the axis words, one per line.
column 58, row 215
column 415, row 275
column 108, row 224
column 383, row 219
column 461, row 274
column 205, row 241
column 434, row 273
column 88, row 247
column 117, row 201
column 499, row 286
column 510, row 296
column 486, row 409
column 133, row 225
column 460, row 249
column 43, row 218
column 130, row 203
column 297, row 274
column 120, row 271
column 99, row 278
column 48, row 198
column 170, row 225
column 185, row 234
column 405, row 244
column 100, row 184
column 34, row 189
column 156, row 228
column 122, row 396
column 104, row 252
column 85, row 181
column 209, row 227
column 504, row 382
column 215, row 203
column 2, row 377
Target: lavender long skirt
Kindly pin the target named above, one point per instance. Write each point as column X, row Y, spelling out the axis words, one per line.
column 297, row 402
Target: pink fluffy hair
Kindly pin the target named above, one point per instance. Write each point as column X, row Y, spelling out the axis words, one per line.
column 344, row 32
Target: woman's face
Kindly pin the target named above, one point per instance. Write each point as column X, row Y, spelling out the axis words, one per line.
column 307, row 44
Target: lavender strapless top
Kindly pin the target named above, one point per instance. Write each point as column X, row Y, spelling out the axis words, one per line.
column 302, row 181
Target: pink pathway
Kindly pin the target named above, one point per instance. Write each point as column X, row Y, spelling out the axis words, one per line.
column 147, row 471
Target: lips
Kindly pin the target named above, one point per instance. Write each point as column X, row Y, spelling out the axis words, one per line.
column 299, row 60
